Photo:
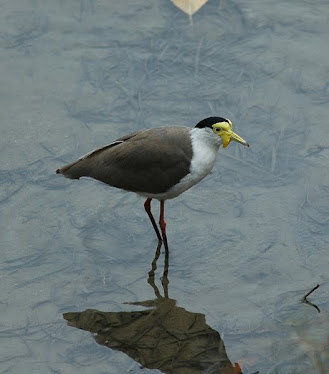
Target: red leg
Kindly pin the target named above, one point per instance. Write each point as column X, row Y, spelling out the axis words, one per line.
column 147, row 206
column 163, row 224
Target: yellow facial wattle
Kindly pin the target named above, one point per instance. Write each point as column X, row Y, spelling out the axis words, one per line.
column 224, row 130
column 226, row 137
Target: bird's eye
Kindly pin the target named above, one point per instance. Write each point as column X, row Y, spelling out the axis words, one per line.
column 217, row 129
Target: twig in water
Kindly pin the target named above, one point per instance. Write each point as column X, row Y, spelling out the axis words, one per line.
column 304, row 299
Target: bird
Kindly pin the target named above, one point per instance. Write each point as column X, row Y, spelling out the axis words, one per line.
column 157, row 163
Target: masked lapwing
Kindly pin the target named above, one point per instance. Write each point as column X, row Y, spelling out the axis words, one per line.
column 159, row 163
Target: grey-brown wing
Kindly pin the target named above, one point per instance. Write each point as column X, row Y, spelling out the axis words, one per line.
column 81, row 167
column 149, row 161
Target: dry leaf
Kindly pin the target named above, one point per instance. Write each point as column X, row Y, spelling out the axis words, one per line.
column 189, row 6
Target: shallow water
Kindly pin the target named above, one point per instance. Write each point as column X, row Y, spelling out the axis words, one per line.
column 245, row 244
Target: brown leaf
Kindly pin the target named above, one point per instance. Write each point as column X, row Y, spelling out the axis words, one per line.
column 189, row 6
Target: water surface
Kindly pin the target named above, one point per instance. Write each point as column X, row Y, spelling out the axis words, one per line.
column 245, row 244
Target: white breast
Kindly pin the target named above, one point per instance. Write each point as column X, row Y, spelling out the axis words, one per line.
column 205, row 146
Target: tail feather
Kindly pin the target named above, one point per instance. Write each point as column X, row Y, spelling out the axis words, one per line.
column 85, row 166
column 74, row 170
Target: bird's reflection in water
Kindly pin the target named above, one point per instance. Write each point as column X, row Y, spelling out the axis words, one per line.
column 164, row 336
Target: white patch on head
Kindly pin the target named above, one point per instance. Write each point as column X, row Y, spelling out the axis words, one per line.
column 205, row 146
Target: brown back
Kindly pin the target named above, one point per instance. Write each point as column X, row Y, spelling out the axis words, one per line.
column 148, row 161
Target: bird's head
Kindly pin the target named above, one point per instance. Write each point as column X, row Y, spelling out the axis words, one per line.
column 223, row 128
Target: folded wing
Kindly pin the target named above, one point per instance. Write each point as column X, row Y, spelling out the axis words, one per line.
column 149, row 161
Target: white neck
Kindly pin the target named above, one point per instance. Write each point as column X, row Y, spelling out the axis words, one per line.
column 205, row 145
column 206, row 137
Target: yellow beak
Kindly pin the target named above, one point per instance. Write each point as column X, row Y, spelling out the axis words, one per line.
column 227, row 136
